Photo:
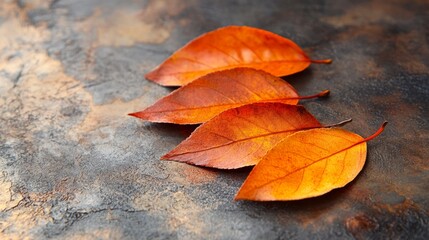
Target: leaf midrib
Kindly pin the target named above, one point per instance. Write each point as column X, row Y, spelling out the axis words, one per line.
column 221, row 105
column 245, row 139
column 306, row 166
column 235, row 66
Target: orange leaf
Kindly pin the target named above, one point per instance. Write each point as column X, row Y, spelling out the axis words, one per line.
column 241, row 136
column 307, row 164
column 212, row 94
column 231, row 47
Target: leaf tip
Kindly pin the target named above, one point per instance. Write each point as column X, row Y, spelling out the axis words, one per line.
column 142, row 115
column 238, row 196
column 324, row 93
column 134, row 114
column 246, row 196
column 165, row 157
column 323, row 61
column 157, row 77
column 151, row 76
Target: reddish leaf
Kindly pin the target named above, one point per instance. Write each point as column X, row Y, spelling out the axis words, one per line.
column 307, row 164
column 212, row 94
column 241, row 136
column 228, row 48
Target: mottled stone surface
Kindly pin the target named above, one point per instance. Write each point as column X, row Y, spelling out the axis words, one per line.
column 73, row 165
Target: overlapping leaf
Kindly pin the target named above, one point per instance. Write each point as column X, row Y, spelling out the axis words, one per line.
column 241, row 136
column 250, row 116
column 307, row 164
column 206, row 97
column 231, row 47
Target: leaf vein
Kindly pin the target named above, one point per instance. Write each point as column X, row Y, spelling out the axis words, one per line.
column 248, row 47
column 306, row 166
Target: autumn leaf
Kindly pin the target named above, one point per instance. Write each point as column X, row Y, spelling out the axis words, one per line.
column 241, row 136
column 231, row 47
column 206, row 97
column 307, row 164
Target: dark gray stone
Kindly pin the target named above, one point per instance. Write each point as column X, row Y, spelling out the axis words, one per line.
column 73, row 165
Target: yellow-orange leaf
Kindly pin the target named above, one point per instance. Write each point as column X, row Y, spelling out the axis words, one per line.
column 214, row 93
column 241, row 136
column 231, row 47
column 307, row 164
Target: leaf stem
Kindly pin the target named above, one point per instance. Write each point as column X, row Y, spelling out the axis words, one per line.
column 322, row 94
column 380, row 130
column 340, row 124
column 323, row 61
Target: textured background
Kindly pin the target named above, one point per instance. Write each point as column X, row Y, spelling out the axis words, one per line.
column 73, row 165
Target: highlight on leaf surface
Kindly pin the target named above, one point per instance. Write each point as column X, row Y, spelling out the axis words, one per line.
column 231, row 47
column 206, row 97
column 241, row 136
column 307, row 164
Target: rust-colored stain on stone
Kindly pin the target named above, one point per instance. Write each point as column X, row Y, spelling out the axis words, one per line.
column 359, row 224
column 73, row 165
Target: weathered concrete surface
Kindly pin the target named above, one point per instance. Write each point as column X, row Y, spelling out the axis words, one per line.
column 75, row 166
